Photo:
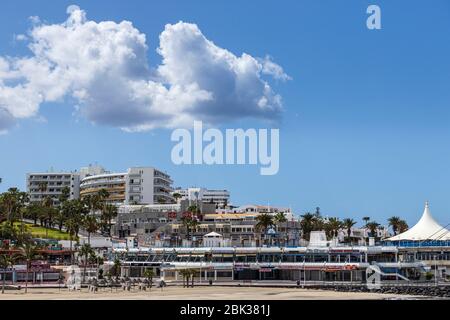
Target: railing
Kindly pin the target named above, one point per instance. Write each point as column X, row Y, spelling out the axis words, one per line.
column 418, row 244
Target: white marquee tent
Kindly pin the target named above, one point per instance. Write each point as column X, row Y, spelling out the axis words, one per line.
column 426, row 229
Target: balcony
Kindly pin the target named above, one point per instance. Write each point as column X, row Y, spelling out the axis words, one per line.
column 117, row 189
column 90, row 183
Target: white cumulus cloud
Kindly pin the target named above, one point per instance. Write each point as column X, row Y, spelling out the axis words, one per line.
column 104, row 68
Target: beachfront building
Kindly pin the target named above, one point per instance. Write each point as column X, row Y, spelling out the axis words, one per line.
column 427, row 241
column 138, row 185
column 44, row 270
column 221, row 198
column 427, row 230
column 269, row 263
column 419, row 254
column 41, row 185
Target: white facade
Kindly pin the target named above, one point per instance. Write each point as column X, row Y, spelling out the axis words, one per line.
column 146, row 185
column 139, row 185
column 95, row 242
column 219, row 197
column 50, row 184
column 318, row 239
column 214, row 240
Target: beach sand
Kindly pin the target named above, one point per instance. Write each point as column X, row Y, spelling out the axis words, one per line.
column 196, row 293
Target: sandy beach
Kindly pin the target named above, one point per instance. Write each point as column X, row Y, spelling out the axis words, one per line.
column 198, row 293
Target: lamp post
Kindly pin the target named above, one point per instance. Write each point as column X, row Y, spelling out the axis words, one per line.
column 304, row 273
column 435, row 270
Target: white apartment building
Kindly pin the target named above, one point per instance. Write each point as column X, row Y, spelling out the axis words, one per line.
column 221, row 198
column 50, row 184
column 139, row 185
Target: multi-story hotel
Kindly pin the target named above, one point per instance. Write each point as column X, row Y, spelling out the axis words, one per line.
column 139, row 185
column 51, row 184
column 220, row 198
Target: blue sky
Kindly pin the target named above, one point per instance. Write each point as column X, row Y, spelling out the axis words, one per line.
column 365, row 128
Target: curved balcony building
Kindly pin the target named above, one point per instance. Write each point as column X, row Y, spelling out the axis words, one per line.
column 139, row 185
column 114, row 183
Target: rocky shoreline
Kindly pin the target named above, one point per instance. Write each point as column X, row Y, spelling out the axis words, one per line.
column 427, row 291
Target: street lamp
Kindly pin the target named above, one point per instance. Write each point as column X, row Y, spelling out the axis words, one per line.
column 435, row 270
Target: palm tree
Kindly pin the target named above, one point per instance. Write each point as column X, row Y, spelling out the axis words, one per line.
column 402, row 226
column 87, row 200
column 334, row 225
column 195, row 211
column 76, row 210
column 149, row 274
column 394, row 223
column 280, row 218
column 62, row 211
column 6, row 261
column 115, row 270
column 366, row 220
column 90, row 224
column 65, row 195
column 185, row 274
column 48, row 214
column 12, row 202
column 42, row 186
column 29, row 252
column 9, row 232
column 33, row 211
column 348, row 224
column 86, row 251
column 103, row 195
column 110, row 211
column 193, row 225
column 60, row 219
column 177, row 196
column 307, row 224
column 193, row 273
column 71, row 225
column 373, row 226
column 186, row 221
column 99, row 200
column 263, row 222
column 47, row 202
